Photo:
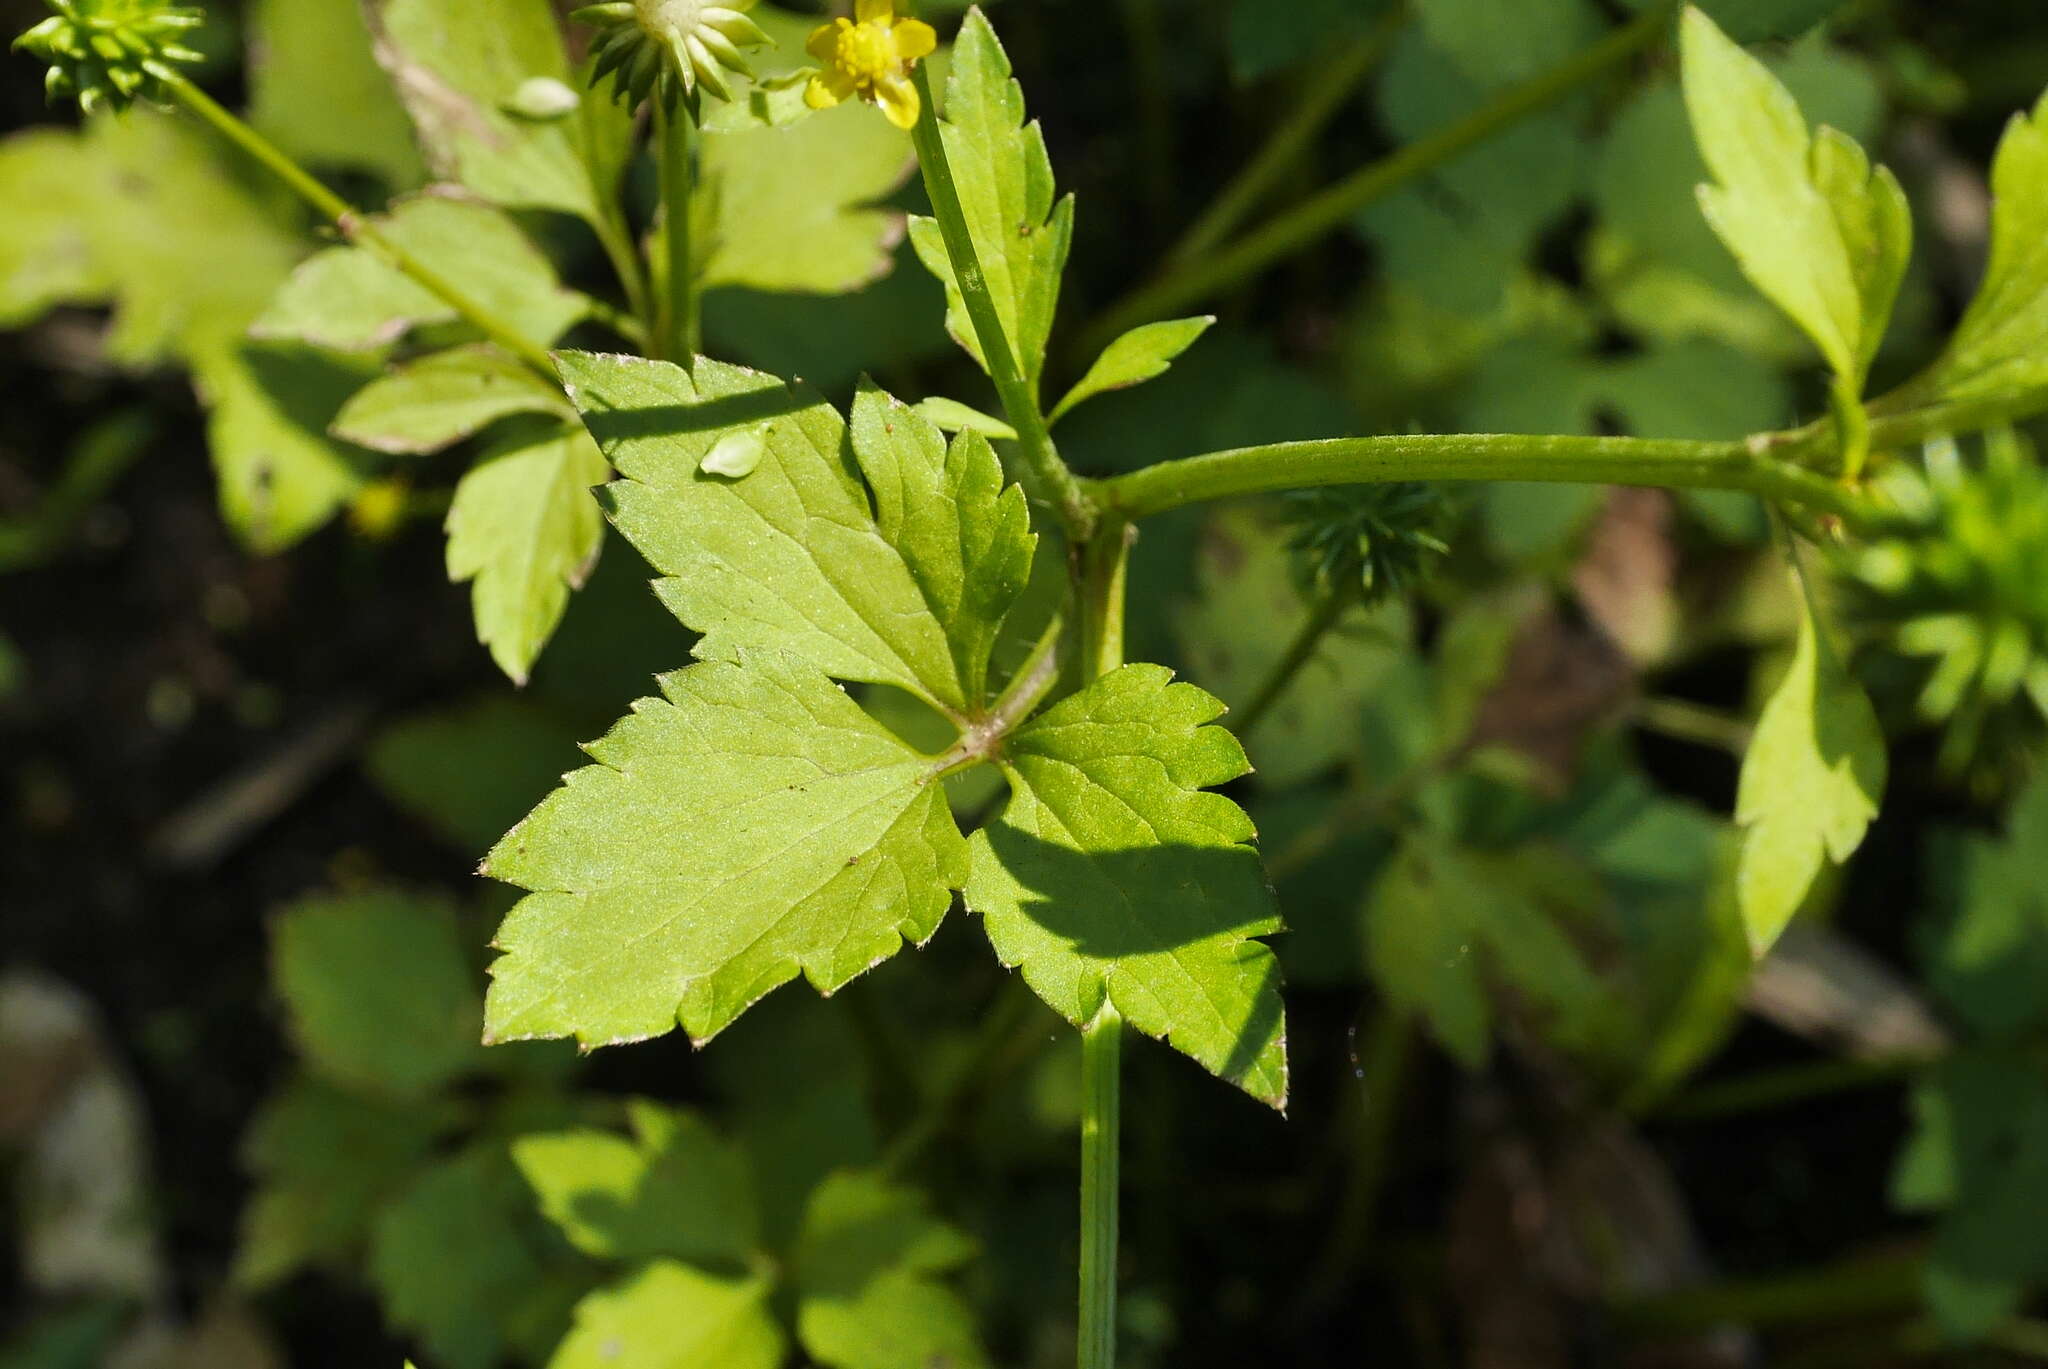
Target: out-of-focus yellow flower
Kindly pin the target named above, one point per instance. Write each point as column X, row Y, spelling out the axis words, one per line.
column 379, row 508
column 870, row 55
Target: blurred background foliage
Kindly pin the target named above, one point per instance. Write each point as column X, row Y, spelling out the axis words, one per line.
column 1546, row 1112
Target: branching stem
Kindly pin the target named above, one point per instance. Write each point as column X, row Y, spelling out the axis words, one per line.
column 355, row 226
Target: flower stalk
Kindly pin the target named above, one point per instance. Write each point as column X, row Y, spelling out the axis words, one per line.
column 679, row 331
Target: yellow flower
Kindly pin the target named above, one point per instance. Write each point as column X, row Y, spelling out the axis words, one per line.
column 870, row 55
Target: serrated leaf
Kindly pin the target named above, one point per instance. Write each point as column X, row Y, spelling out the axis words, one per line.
column 864, row 1266
column 451, row 1257
column 311, row 59
column 675, row 1189
column 1006, row 190
column 527, row 529
column 902, row 578
column 270, row 405
column 950, row 415
column 323, row 1161
column 796, row 209
column 376, row 991
column 440, row 399
column 1112, row 877
column 752, row 825
column 2001, row 346
column 670, row 1316
column 1145, row 353
column 457, row 66
column 350, row 299
column 1810, row 786
column 1816, row 229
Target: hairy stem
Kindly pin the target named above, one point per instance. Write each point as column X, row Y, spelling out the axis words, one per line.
column 1101, row 1134
column 353, row 225
column 1295, row 229
column 679, row 335
column 1370, row 460
column 1328, row 611
column 1322, row 94
column 1020, row 398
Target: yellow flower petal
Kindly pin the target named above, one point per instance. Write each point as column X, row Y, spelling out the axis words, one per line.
column 899, row 101
column 818, row 93
column 874, row 11
column 915, row 39
column 824, row 40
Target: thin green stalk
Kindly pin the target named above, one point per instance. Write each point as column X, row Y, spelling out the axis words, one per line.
column 353, row 225
column 1143, row 26
column 1683, row 720
column 1776, row 1088
column 1101, row 575
column 1369, row 460
column 1306, row 222
column 1866, row 1286
column 680, row 333
column 1323, row 93
column 1020, row 398
column 1329, row 610
column 1101, row 1135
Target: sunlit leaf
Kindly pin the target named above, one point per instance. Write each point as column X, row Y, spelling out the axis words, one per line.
column 1140, row 355
column 670, row 1316
column 444, row 397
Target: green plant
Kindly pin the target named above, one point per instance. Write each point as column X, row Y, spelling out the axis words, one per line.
column 758, row 821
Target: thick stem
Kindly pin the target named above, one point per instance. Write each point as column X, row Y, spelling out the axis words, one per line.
column 1020, row 397
column 354, row 226
column 1101, row 1131
column 1325, row 211
column 680, row 332
column 1372, row 460
column 1322, row 95
column 1328, row 611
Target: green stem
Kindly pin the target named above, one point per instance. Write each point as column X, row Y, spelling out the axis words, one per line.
column 679, row 335
column 1306, row 222
column 1143, row 25
column 1864, row 1287
column 1101, row 572
column 1329, row 610
column 354, row 226
column 1792, row 1084
column 1323, row 93
column 1020, row 396
column 1686, row 721
column 1101, row 1128
column 1369, row 460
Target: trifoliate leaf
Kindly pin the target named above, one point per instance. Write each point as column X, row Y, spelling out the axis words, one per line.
column 437, row 401
column 900, row 579
column 379, row 997
column 1111, row 877
column 1991, row 958
column 676, row 1189
column 2001, row 345
column 751, row 825
column 864, row 1266
column 281, row 476
column 1980, row 1158
column 526, row 528
column 470, row 771
column 795, row 209
column 950, row 415
column 350, row 299
column 1006, row 191
column 1810, row 784
column 453, row 1258
column 46, row 242
column 323, row 1161
column 458, row 64
column 1816, row 229
column 308, row 61
column 1144, row 353
column 1443, row 918
column 670, row 1316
